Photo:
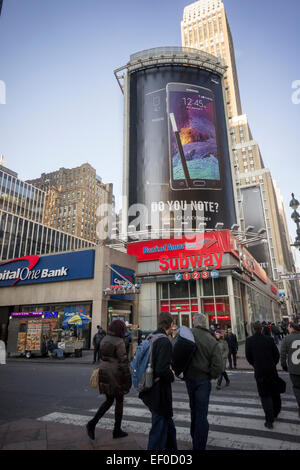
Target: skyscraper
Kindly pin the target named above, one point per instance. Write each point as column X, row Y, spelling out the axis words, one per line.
column 205, row 27
column 72, row 199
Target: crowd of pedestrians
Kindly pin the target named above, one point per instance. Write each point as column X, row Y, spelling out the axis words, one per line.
column 210, row 352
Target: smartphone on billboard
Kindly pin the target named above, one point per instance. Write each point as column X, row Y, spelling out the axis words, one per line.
column 193, row 139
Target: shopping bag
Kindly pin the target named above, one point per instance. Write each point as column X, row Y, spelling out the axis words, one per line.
column 94, row 380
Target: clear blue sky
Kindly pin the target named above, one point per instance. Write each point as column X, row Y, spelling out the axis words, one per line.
column 64, row 106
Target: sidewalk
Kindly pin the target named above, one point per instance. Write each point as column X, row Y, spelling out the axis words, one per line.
column 87, row 358
column 30, row 434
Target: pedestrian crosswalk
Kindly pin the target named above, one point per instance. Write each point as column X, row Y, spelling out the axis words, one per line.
column 236, row 420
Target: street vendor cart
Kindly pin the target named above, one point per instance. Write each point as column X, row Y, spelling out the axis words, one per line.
column 70, row 344
column 28, row 333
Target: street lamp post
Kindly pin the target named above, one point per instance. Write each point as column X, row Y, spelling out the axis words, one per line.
column 294, row 204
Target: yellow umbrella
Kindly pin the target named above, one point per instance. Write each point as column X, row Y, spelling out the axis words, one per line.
column 78, row 320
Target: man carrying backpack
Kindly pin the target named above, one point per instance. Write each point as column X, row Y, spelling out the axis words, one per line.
column 158, row 398
column 96, row 342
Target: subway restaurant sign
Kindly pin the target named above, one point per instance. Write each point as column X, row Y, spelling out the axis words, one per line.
column 35, row 269
column 200, row 251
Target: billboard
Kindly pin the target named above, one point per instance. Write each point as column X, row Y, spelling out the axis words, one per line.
column 178, row 153
column 254, row 215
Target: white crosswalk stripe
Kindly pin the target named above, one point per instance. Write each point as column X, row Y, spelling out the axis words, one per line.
column 236, row 422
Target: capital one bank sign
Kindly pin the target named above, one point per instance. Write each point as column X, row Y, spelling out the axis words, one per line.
column 34, row 269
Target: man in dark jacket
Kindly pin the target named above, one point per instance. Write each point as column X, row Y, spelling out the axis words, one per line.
column 262, row 353
column 265, row 329
column 275, row 333
column 158, row 399
column 97, row 341
column 232, row 347
column 290, row 358
column 206, row 364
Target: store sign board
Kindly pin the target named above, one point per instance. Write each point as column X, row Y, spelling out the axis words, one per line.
column 199, row 248
column 34, row 314
column 118, row 276
column 34, row 269
column 194, row 261
column 289, row 276
column 200, row 243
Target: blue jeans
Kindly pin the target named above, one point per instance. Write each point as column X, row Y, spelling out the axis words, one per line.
column 162, row 435
column 58, row 352
column 199, row 392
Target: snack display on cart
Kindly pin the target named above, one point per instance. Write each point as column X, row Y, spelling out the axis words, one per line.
column 33, row 340
column 21, row 343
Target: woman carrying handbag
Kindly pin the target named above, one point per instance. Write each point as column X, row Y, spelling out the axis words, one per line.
column 114, row 377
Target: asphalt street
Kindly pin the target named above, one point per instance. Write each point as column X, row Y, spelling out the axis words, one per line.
column 59, row 393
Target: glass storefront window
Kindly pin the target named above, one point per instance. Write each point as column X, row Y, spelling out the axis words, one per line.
column 193, row 289
column 220, row 286
column 165, row 290
column 207, row 288
column 179, row 290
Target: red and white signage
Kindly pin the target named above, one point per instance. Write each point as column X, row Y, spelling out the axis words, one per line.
column 198, row 251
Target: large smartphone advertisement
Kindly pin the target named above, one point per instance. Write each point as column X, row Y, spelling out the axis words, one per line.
column 194, row 154
column 178, row 146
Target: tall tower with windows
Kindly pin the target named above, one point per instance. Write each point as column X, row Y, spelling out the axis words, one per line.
column 205, row 27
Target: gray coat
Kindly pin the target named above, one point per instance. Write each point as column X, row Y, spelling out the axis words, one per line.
column 225, row 350
column 290, row 353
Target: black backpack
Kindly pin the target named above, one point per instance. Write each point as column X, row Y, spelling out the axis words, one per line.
column 183, row 351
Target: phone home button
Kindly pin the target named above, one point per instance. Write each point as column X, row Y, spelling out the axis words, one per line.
column 199, row 184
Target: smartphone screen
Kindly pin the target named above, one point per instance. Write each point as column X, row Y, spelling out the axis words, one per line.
column 191, row 111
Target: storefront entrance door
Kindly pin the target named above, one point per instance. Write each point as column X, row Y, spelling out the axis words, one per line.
column 184, row 319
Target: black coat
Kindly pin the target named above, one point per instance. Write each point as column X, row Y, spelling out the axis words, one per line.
column 159, row 398
column 262, row 353
column 98, row 338
column 232, row 343
column 266, row 331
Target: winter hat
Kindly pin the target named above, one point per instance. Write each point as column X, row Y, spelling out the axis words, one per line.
column 218, row 332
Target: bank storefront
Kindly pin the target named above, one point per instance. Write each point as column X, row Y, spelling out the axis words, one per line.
column 212, row 274
column 42, row 292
